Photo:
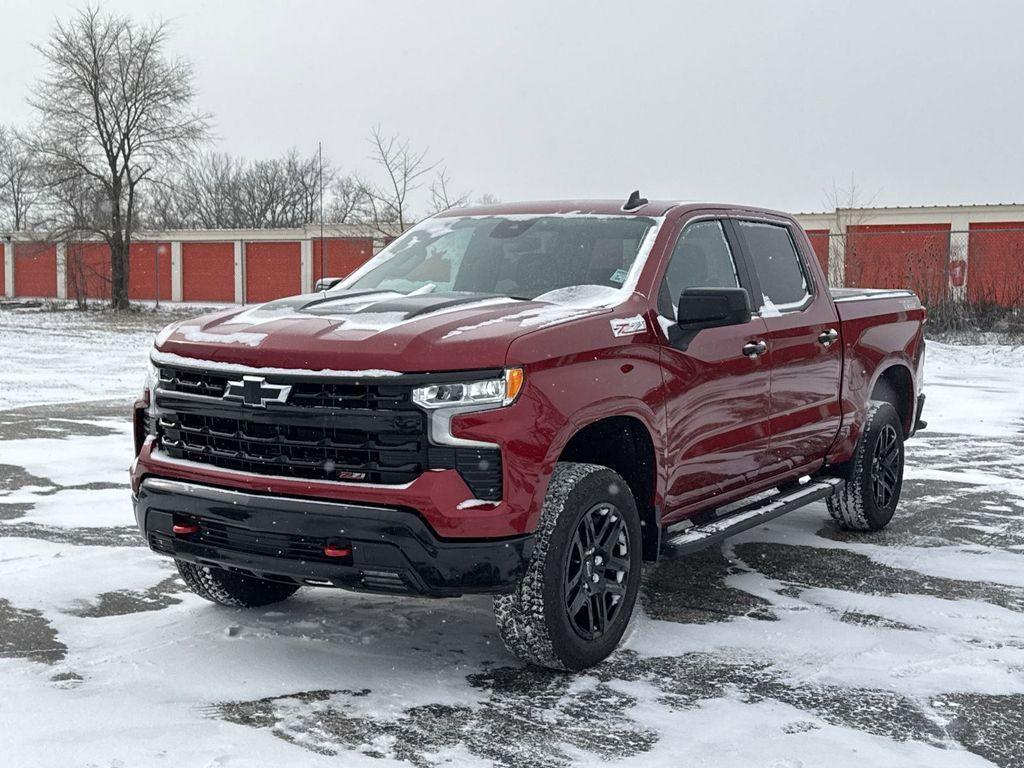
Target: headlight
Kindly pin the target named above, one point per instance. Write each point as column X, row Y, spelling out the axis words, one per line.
column 497, row 392
column 152, row 376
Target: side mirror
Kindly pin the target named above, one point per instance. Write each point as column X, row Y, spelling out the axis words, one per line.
column 713, row 307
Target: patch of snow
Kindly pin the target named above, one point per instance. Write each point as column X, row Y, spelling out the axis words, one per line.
column 974, row 390
column 583, row 296
column 168, row 358
column 475, row 503
column 196, row 334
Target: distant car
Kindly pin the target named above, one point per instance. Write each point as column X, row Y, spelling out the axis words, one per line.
column 326, row 283
column 530, row 401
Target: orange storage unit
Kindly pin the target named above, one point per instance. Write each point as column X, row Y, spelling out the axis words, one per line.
column 35, row 269
column 208, row 272
column 819, row 242
column 150, row 263
column 995, row 263
column 914, row 256
column 88, row 270
column 272, row 270
column 340, row 256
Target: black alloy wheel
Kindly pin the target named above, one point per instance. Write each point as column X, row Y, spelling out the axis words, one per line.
column 597, row 570
column 885, row 465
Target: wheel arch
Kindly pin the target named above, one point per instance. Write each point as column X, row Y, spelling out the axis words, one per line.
column 894, row 384
column 624, row 443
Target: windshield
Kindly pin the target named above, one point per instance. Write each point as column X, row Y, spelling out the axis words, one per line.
column 522, row 257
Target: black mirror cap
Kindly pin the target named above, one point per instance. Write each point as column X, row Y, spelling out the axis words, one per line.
column 713, row 307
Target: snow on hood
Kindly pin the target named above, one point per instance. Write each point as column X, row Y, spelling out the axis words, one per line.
column 379, row 330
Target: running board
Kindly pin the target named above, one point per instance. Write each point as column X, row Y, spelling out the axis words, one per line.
column 748, row 516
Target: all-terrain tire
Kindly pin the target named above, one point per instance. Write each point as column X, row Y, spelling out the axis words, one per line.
column 234, row 589
column 534, row 621
column 862, row 505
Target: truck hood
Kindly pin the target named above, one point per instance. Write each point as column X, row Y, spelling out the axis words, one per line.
column 371, row 332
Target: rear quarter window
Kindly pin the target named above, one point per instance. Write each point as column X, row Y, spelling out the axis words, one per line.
column 783, row 280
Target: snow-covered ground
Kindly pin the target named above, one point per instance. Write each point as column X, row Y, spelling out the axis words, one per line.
column 794, row 645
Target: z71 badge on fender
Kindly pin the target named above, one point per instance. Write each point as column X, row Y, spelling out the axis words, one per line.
column 628, row 326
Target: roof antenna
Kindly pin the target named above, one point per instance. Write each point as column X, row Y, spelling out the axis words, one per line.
column 634, row 201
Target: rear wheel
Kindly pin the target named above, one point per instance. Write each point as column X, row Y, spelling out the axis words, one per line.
column 234, row 589
column 868, row 501
column 571, row 608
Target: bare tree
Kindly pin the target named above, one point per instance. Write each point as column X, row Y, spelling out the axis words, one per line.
column 208, row 192
column 845, row 204
column 19, row 180
column 388, row 204
column 347, row 202
column 113, row 110
column 306, row 176
column 441, row 196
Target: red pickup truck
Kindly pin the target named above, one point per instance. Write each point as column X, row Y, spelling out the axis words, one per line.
column 531, row 401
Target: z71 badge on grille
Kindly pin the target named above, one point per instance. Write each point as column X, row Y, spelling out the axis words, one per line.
column 255, row 391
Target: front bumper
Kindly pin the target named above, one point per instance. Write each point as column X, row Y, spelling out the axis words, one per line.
column 283, row 538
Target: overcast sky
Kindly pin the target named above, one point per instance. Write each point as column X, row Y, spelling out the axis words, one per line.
column 763, row 103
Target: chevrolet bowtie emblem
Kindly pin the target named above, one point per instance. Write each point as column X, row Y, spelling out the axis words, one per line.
column 255, row 391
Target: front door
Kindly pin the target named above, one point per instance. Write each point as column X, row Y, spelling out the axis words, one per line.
column 717, row 389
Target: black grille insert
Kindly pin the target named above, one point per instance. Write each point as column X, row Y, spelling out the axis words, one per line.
column 327, row 430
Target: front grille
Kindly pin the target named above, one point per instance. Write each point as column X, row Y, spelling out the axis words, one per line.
column 303, row 394
column 351, row 431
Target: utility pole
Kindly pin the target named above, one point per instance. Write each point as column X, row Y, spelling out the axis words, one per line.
column 323, row 253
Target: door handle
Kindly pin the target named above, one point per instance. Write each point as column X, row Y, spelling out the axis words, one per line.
column 828, row 336
column 755, row 348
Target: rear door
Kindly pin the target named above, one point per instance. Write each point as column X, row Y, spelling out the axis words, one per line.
column 717, row 394
column 802, row 334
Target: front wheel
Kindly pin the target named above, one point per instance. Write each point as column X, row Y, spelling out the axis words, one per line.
column 868, row 501
column 570, row 609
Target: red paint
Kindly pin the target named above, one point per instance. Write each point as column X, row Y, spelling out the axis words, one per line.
column 332, row 551
column 913, row 256
column 820, row 241
column 149, row 263
column 208, row 272
column 957, row 272
column 185, row 529
column 88, row 270
column 341, row 256
column 35, row 269
column 995, row 273
column 722, row 425
column 272, row 271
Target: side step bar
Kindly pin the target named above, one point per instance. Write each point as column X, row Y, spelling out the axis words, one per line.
column 751, row 515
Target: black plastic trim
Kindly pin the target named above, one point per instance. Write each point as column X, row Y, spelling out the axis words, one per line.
column 393, row 550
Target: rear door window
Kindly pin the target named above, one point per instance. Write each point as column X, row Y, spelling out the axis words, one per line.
column 780, row 272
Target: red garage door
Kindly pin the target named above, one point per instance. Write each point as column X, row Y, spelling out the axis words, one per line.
column 340, row 256
column 150, row 263
column 272, row 270
column 208, row 272
column 914, row 256
column 995, row 264
column 819, row 242
column 35, row 269
column 88, row 271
